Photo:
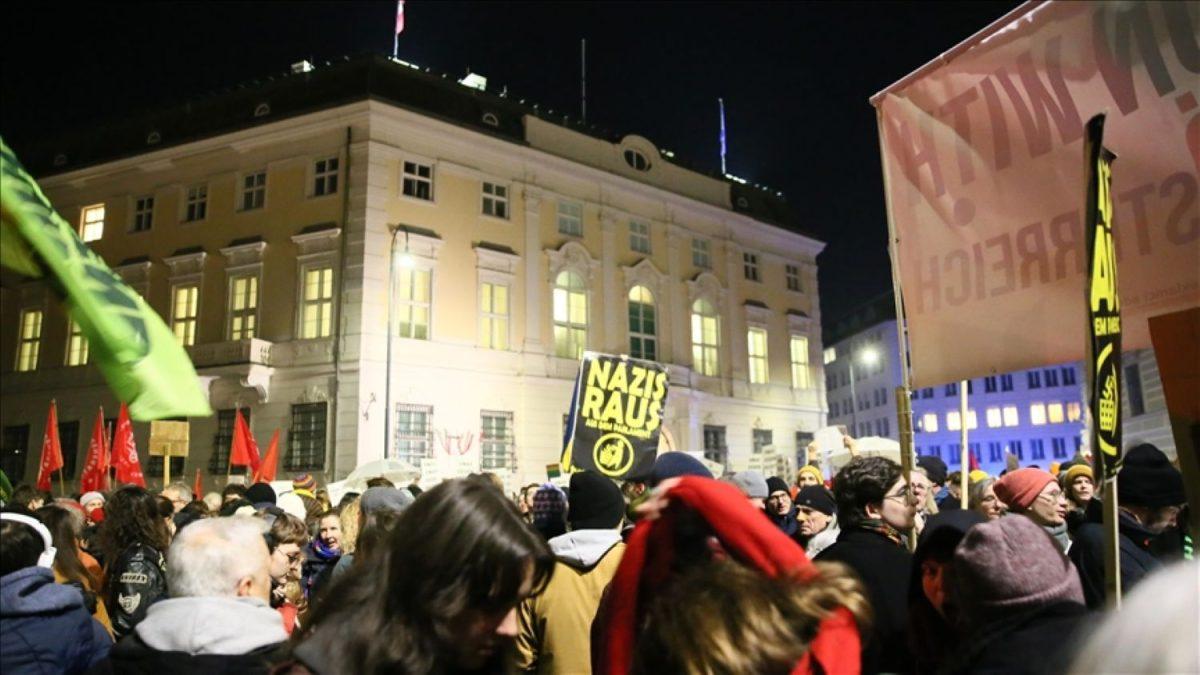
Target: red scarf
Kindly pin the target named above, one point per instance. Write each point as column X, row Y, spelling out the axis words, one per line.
column 746, row 535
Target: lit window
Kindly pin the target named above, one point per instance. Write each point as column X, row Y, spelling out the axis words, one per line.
column 412, row 309
column 143, row 214
column 793, row 278
column 197, row 203
column 636, row 160
column 972, row 420
column 493, row 325
column 414, row 433
column 185, row 306
column 1037, row 414
column 1011, row 416
column 254, row 190
column 756, row 346
column 30, row 340
column 800, row 372
column 418, row 181
column 1074, row 413
column 570, row 218
column 497, row 448
column 639, row 237
column 325, row 177
column 316, row 318
column 953, row 421
column 750, row 266
column 642, row 335
column 243, row 308
column 570, row 315
column 1054, row 413
column 495, row 200
column 830, row 355
column 930, row 422
column 705, row 334
column 701, row 256
column 994, row 418
column 77, row 345
column 91, row 226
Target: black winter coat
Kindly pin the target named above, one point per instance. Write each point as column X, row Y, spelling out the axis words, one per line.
column 1087, row 552
column 131, row 655
column 884, row 568
column 136, row 580
column 1039, row 641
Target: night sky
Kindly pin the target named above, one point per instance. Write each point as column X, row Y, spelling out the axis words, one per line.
column 795, row 78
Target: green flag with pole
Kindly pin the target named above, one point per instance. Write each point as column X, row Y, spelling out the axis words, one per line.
column 138, row 355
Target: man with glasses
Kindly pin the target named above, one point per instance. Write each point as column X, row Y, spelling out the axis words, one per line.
column 875, row 511
column 1035, row 493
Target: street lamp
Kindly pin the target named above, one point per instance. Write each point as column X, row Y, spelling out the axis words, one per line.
column 869, row 357
column 405, row 261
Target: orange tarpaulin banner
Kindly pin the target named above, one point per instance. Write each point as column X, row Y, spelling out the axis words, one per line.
column 981, row 152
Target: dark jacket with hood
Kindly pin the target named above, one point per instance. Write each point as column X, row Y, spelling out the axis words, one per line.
column 44, row 627
column 1087, row 552
column 1039, row 641
column 137, row 579
column 933, row 635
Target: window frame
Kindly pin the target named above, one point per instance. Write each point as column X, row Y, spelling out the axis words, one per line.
column 191, row 322
column 425, row 438
column 317, row 436
column 571, row 329
column 408, row 306
column 417, row 180
column 232, row 313
column 701, row 247
column 751, row 269
column 643, row 337
column 562, row 214
column 704, row 365
column 77, row 343
column 85, row 226
column 638, row 239
column 322, row 176
column 491, row 322
column 801, row 370
column 27, row 361
column 758, row 365
column 322, row 303
column 195, row 203
column 507, row 442
column 494, row 200
column 792, row 275
column 143, row 214
column 243, row 190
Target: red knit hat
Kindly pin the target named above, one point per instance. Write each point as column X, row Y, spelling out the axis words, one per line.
column 748, row 537
column 1020, row 488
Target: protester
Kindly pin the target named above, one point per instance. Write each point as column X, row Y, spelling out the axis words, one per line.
column 816, row 513
column 758, row 605
column 809, row 475
column 950, row 497
column 1035, row 494
column 549, row 511
column 44, row 626
column 213, row 500
column 1155, row 631
column 134, row 539
column 779, row 506
column 179, row 494
column 286, row 537
column 875, row 509
column 1079, row 486
column 1020, row 599
column 351, row 515
column 237, row 506
column 377, row 509
column 935, row 469
column 166, row 511
column 1149, row 496
column 445, row 594
column 232, row 492
column 922, row 491
column 933, row 616
column 261, row 495
column 27, row 497
column 525, row 502
column 674, row 465
column 91, row 501
column 217, row 619
column 65, row 529
column 292, row 504
column 321, row 554
column 193, row 511
column 982, row 499
column 554, row 626
column 753, row 485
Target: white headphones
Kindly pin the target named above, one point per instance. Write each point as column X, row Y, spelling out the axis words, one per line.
column 46, row 559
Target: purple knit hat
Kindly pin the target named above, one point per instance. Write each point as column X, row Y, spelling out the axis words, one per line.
column 1011, row 564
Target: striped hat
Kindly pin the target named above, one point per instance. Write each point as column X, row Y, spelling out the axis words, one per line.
column 304, row 483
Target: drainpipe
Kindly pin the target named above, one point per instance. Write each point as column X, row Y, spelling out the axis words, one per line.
column 331, row 451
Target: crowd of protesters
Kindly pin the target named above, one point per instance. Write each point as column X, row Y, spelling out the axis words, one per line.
column 676, row 571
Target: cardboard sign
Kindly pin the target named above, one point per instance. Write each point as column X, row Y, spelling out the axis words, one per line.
column 169, row 439
column 616, row 416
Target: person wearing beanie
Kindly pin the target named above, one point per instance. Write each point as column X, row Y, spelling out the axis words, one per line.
column 674, row 465
column 779, row 506
column 875, row 511
column 978, row 475
column 554, row 627
column 950, row 496
column 1019, row 597
column 815, row 514
column 809, row 475
column 753, row 485
column 91, row 500
column 1149, row 498
column 260, row 495
column 378, row 507
column 304, row 485
column 1035, row 494
column 549, row 511
column 1079, row 485
column 934, row 467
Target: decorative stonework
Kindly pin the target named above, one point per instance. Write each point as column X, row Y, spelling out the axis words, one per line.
column 243, row 255
column 572, row 256
column 317, row 242
column 757, row 315
column 706, row 285
column 799, row 321
column 136, row 276
column 314, row 393
column 495, row 261
column 644, row 273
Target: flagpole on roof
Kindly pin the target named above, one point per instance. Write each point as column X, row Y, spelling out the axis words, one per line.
column 721, row 107
column 399, row 29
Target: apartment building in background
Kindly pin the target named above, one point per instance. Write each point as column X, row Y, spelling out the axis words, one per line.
column 271, row 226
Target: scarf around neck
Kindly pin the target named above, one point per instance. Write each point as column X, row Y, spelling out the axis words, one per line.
column 878, row 526
column 324, row 552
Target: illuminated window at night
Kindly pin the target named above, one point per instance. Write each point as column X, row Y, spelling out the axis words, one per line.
column 316, row 314
column 254, row 191
column 493, row 324
column 1037, row 414
column 972, row 419
column 701, row 256
column 929, row 422
column 643, row 341
column 30, row 340
column 243, row 307
column 994, row 418
column 756, row 347
column 495, row 200
column 570, row 218
column 1011, row 416
column 325, row 177
column 77, row 345
column 185, row 305
column 639, row 237
column 1074, row 412
column 412, row 303
column 830, row 355
column 798, row 346
column 570, row 315
column 418, row 181
column 953, row 421
column 196, row 207
column 143, row 214
column 1054, row 413
column 91, row 226
column 706, row 330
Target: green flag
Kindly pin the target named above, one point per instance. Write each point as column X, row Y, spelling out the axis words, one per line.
column 134, row 349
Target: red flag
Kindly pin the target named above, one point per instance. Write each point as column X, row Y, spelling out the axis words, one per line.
column 95, row 469
column 399, row 17
column 972, row 460
column 198, row 485
column 266, row 470
column 244, row 451
column 124, row 451
column 52, row 459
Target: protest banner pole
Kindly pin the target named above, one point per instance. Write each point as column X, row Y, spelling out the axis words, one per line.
column 963, row 452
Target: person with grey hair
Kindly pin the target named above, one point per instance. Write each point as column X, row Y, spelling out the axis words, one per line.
column 179, row 494
column 217, row 618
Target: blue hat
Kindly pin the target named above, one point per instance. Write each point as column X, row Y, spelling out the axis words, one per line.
column 676, row 464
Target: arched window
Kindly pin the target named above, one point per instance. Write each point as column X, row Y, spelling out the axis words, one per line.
column 642, row 341
column 636, row 160
column 570, row 315
column 706, row 331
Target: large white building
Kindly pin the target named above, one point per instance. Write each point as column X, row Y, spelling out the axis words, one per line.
column 271, row 225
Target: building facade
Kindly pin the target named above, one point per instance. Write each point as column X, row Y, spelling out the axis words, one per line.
column 281, row 228
column 1038, row 415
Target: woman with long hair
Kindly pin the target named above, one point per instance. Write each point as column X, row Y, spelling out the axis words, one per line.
column 444, row 593
column 134, row 538
column 66, row 529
